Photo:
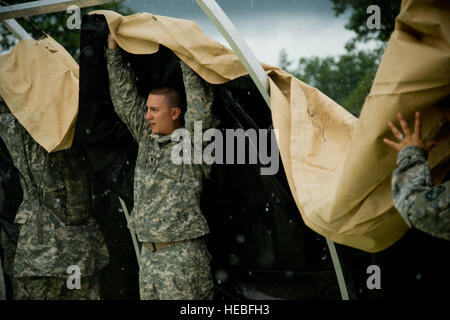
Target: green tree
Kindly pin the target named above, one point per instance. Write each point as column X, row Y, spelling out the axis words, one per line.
column 347, row 78
column 358, row 18
column 55, row 25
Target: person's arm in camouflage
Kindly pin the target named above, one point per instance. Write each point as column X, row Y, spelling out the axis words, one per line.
column 199, row 99
column 128, row 104
column 421, row 205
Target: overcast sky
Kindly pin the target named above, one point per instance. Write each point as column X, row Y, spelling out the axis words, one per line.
column 304, row 28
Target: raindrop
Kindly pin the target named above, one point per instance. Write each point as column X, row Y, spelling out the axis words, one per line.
column 250, row 273
column 269, row 232
column 324, row 257
column 289, row 274
column 58, row 200
column 196, row 184
column 88, row 131
column 221, row 276
column 418, row 276
column 240, row 238
column 234, row 260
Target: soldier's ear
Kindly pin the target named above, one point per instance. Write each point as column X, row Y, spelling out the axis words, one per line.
column 175, row 112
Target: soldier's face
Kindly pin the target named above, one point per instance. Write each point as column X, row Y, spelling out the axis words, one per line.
column 162, row 119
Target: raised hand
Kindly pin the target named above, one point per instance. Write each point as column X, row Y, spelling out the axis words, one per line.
column 407, row 138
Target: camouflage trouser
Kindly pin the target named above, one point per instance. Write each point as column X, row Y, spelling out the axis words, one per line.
column 52, row 288
column 9, row 250
column 181, row 272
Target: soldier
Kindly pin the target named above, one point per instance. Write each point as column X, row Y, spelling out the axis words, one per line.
column 421, row 205
column 175, row 262
column 57, row 229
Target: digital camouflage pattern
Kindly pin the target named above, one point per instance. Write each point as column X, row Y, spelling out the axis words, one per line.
column 178, row 272
column 57, row 228
column 421, row 205
column 166, row 195
column 51, row 288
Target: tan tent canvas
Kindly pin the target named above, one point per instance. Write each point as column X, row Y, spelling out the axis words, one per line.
column 337, row 167
column 39, row 83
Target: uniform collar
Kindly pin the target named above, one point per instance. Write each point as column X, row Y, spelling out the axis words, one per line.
column 166, row 138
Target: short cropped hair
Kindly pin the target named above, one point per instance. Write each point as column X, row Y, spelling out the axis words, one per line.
column 173, row 98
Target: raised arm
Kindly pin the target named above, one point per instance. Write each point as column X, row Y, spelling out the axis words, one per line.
column 421, row 205
column 199, row 99
column 128, row 104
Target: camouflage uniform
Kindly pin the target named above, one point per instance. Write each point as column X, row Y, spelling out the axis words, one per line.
column 55, row 219
column 421, row 205
column 166, row 195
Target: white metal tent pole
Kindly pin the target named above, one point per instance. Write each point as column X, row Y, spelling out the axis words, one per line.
column 16, row 29
column 240, row 47
column 46, row 6
column 256, row 72
column 133, row 235
column 338, row 270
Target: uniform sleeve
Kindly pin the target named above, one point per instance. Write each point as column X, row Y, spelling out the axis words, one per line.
column 421, row 205
column 128, row 104
column 199, row 99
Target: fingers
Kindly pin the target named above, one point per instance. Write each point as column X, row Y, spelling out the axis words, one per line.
column 418, row 126
column 394, row 130
column 403, row 124
column 392, row 144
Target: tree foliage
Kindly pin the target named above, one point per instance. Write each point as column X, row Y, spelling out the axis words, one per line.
column 347, row 78
column 358, row 18
column 55, row 25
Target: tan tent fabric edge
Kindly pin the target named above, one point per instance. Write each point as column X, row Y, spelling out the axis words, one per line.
column 39, row 82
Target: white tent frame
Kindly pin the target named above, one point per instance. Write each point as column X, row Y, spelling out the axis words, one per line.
column 222, row 23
